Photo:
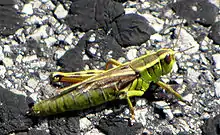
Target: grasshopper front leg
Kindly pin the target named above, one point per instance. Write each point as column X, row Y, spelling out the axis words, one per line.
column 170, row 90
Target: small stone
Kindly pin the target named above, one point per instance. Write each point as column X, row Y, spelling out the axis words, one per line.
column 8, row 62
column 50, row 5
column 205, row 116
column 60, row 12
column 132, row 54
column 50, row 41
column 141, row 102
column 92, row 50
column 193, row 74
column 156, row 37
column 28, row 9
column 179, row 80
column 10, row 72
column 39, row 33
column 132, row 3
column 175, row 67
column 2, row 71
column 85, row 57
column 44, row 1
column 20, row 35
column 184, row 125
column 145, row 4
column 28, row 89
column 34, row 96
column 130, row 10
column 43, row 76
column 19, row 58
column 177, row 113
column 18, row 92
column 189, row 64
column 35, row 64
column 8, row 83
column 107, row 112
column 203, row 58
column 216, row 58
column 34, row 20
column 14, row 43
column 156, row 23
column 204, row 48
column 69, row 38
column 61, row 37
column 29, row 58
column 7, row 49
column 140, row 115
column 32, row 83
column 84, row 123
column 18, row 75
column 161, row 104
column 217, row 88
column 196, row 57
column 188, row 97
column 186, row 41
column 126, row 112
column 59, row 53
column 92, row 38
column 166, row 109
column 1, row 54
column 36, row 4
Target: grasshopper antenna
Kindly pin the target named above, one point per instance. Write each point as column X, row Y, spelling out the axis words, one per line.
column 178, row 34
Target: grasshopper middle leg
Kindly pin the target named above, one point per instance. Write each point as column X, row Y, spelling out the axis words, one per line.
column 127, row 95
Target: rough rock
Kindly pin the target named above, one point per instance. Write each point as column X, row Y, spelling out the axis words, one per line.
column 131, row 29
column 98, row 14
column 13, row 109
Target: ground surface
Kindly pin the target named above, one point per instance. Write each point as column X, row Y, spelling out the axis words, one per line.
column 41, row 36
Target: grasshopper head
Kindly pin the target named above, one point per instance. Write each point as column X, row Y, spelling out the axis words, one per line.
column 167, row 60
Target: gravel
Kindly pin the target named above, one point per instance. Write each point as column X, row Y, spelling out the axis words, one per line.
column 40, row 37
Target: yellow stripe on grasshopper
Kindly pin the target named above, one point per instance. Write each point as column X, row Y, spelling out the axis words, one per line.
column 74, row 77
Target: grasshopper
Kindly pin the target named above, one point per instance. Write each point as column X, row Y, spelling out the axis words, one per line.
column 95, row 87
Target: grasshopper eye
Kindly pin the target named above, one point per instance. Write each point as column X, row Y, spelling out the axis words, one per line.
column 167, row 59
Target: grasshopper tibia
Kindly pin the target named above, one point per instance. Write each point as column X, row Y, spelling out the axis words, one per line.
column 170, row 90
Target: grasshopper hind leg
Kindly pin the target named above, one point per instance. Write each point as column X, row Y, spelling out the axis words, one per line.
column 112, row 62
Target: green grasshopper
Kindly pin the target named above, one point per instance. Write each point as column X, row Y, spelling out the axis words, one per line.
column 95, row 87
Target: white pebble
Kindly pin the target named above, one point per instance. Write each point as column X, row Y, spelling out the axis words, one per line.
column 2, row 71
column 84, row 123
column 50, row 41
column 60, row 12
column 27, row 9
column 8, row 62
column 217, row 88
column 216, row 58
column 44, row 1
column 132, row 53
